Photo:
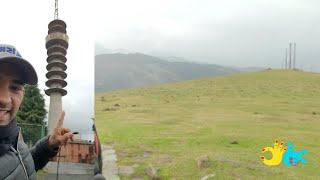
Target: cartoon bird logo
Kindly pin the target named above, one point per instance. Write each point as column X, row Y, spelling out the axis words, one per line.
column 281, row 153
column 292, row 158
column 277, row 152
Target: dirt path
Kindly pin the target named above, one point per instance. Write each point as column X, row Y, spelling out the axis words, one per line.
column 110, row 168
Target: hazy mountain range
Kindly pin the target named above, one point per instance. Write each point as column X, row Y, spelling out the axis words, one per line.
column 129, row 70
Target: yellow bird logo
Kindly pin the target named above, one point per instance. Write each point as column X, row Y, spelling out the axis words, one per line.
column 277, row 152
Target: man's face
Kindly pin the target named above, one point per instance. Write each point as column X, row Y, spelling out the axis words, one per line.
column 11, row 92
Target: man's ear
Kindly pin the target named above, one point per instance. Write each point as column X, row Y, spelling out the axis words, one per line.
column 23, row 91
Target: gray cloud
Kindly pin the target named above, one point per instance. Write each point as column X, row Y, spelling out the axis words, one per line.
column 238, row 33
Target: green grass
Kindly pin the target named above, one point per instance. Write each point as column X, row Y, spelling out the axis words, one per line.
column 171, row 125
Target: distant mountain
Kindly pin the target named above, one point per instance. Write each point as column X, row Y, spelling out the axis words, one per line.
column 123, row 71
column 100, row 49
column 251, row 69
column 175, row 59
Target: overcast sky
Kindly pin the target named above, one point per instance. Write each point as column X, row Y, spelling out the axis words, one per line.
column 229, row 32
column 24, row 24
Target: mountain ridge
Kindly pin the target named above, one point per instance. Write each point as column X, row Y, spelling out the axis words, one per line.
column 129, row 70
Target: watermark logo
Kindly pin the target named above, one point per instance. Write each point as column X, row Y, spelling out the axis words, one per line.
column 293, row 158
column 281, row 153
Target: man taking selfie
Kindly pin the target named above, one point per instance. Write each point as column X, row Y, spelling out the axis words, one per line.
column 16, row 160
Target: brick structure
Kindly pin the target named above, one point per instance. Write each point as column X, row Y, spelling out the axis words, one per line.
column 78, row 151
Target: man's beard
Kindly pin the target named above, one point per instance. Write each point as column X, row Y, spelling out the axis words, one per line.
column 5, row 118
column 6, row 115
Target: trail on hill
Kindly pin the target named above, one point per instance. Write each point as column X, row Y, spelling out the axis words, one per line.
column 110, row 168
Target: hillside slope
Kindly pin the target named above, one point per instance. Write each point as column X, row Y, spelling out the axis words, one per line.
column 227, row 118
column 123, row 71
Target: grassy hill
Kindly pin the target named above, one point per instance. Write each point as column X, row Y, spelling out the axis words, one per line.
column 171, row 125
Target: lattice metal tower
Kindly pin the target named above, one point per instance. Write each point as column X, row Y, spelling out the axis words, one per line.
column 56, row 45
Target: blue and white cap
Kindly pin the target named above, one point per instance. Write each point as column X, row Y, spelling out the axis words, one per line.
column 9, row 54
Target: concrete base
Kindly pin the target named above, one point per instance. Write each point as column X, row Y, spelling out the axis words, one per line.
column 67, row 171
column 55, row 110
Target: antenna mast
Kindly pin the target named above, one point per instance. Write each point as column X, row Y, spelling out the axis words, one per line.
column 56, row 10
column 57, row 42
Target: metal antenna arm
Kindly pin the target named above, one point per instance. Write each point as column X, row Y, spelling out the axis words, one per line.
column 56, row 14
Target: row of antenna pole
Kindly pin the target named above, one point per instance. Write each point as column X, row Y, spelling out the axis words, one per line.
column 290, row 57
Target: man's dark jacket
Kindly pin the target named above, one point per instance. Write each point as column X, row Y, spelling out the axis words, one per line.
column 21, row 163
